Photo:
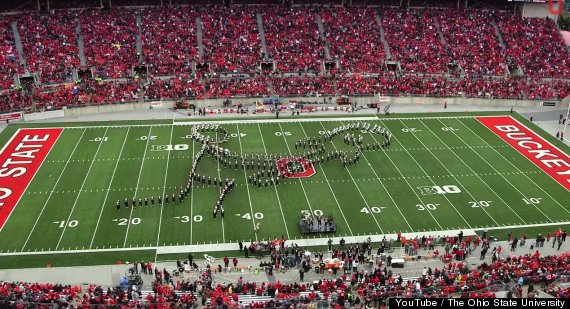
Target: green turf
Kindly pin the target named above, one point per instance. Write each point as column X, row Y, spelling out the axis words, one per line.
column 70, row 205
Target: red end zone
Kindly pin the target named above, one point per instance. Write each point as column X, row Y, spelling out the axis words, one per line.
column 550, row 159
column 20, row 160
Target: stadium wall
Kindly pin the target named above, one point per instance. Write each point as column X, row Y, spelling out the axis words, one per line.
column 539, row 10
column 308, row 100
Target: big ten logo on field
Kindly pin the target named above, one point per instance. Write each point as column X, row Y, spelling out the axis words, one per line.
column 555, row 7
column 448, row 189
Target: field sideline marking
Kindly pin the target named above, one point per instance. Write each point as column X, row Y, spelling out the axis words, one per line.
column 300, row 180
column 247, row 185
column 192, row 197
column 409, row 185
column 108, row 189
column 505, row 178
column 330, row 188
column 137, row 187
column 55, row 185
column 383, row 186
column 318, row 241
column 164, row 189
column 274, row 187
column 479, row 177
column 357, row 188
column 516, row 167
column 80, row 190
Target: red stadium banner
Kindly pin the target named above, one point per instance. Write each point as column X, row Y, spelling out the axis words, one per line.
column 548, row 157
column 20, row 160
column 10, row 116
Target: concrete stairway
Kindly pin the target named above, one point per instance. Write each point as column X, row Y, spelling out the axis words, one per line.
column 498, row 34
column 80, row 43
column 262, row 36
column 199, row 35
column 438, row 29
column 323, row 36
column 139, row 38
column 383, row 37
column 19, row 47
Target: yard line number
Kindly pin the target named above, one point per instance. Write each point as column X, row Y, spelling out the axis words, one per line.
column 71, row 223
column 100, row 139
column 286, row 133
column 125, row 221
column 186, row 219
column 422, row 207
column 477, row 204
column 532, row 200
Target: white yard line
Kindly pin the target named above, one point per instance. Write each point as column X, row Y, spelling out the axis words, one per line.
column 52, row 190
column 247, row 185
column 109, row 188
column 300, row 180
column 513, row 165
column 220, row 178
column 471, row 169
column 302, row 242
column 414, row 189
column 468, row 166
column 453, row 176
column 274, row 187
column 357, row 188
column 137, row 188
column 330, row 188
column 164, row 190
column 383, row 186
column 81, row 189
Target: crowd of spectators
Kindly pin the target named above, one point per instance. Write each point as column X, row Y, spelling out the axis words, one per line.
column 293, row 38
column 14, row 100
column 354, row 38
column 472, row 42
column 110, row 41
column 224, row 88
column 231, row 39
column 174, row 88
column 8, row 54
column 49, row 45
column 414, row 41
column 169, row 43
column 534, row 44
column 303, row 86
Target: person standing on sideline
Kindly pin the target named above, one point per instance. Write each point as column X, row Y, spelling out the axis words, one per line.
column 301, row 275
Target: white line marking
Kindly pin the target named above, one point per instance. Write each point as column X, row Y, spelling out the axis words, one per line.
column 164, row 190
column 274, row 187
column 220, row 178
column 247, row 185
column 82, row 184
column 55, row 185
column 136, row 188
column 330, row 188
column 109, row 188
column 357, row 188
column 192, row 197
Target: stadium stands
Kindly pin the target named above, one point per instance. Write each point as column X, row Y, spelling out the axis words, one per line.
column 442, row 52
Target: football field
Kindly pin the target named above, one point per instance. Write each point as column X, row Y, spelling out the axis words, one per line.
column 439, row 173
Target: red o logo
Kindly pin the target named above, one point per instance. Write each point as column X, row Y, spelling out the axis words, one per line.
column 555, row 11
column 304, row 168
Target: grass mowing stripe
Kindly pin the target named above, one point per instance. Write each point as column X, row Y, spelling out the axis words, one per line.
column 300, row 180
column 511, row 163
column 81, row 188
column 453, row 176
column 406, row 180
column 274, row 187
column 357, row 188
column 109, row 188
column 137, row 187
column 164, row 189
column 247, row 185
column 330, row 188
column 471, row 169
column 222, row 206
column 383, row 186
column 53, row 189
